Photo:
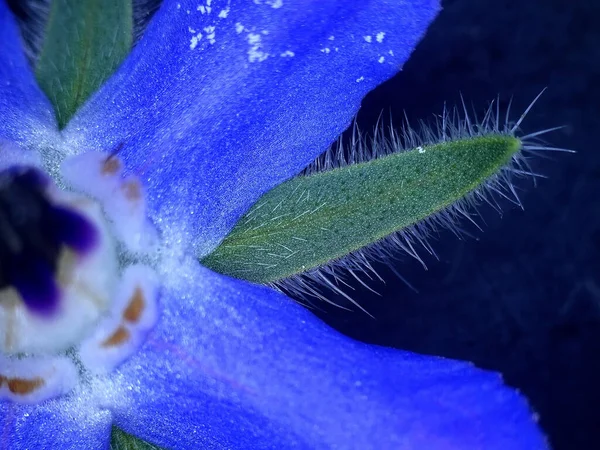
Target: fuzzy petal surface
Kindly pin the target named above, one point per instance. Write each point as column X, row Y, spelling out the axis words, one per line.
column 53, row 425
column 221, row 100
column 25, row 112
column 234, row 365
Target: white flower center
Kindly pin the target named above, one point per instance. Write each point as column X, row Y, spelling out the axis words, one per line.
column 69, row 303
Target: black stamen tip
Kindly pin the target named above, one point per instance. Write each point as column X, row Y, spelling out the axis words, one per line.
column 35, row 282
column 74, row 230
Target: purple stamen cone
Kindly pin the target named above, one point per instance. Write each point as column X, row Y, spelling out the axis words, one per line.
column 74, row 230
column 28, row 176
column 35, row 282
column 33, row 234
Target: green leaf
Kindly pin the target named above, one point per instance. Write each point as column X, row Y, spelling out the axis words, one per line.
column 123, row 441
column 313, row 220
column 85, row 42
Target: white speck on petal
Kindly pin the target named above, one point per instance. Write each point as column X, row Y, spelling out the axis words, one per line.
column 205, row 9
column 224, row 13
column 391, row 52
column 191, row 30
column 368, row 38
column 255, row 54
column 358, row 80
column 210, row 34
column 239, row 28
column 331, row 38
column 381, row 59
column 420, row 149
column 275, row 4
column 379, row 37
column 326, row 50
column 253, row 38
column 195, row 40
column 287, row 53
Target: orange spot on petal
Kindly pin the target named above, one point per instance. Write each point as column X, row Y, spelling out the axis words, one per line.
column 111, row 166
column 119, row 337
column 132, row 190
column 136, row 306
column 23, row 387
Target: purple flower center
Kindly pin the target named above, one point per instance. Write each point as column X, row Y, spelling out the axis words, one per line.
column 33, row 233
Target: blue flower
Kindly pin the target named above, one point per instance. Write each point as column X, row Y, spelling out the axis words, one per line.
column 106, row 317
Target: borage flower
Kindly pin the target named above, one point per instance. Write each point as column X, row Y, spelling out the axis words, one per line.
column 107, row 318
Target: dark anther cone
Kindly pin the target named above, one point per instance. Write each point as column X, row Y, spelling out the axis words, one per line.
column 33, row 234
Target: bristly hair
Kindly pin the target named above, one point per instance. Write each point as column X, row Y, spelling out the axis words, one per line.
column 32, row 16
column 451, row 125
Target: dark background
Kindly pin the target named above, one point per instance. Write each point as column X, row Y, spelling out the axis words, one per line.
column 524, row 297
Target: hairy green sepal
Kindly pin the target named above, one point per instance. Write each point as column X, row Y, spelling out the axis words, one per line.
column 85, row 41
column 123, row 441
column 313, row 220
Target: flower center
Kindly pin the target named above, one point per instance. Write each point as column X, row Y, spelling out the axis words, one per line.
column 53, row 246
column 69, row 304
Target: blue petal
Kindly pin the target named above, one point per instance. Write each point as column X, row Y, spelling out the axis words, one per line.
column 233, row 365
column 23, row 107
column 212, row 122
column 52, row 426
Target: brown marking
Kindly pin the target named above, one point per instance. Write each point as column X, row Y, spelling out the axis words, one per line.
column 119, row 337
column 67, row 262
column 12, row 304
column 136, row 306
column 111, row 166
column 132, row 190
column 20, row 386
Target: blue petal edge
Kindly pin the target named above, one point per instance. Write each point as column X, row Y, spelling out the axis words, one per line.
column 222, row 100
column 233, row 365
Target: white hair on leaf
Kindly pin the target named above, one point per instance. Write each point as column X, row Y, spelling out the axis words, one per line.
column 359, row 266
